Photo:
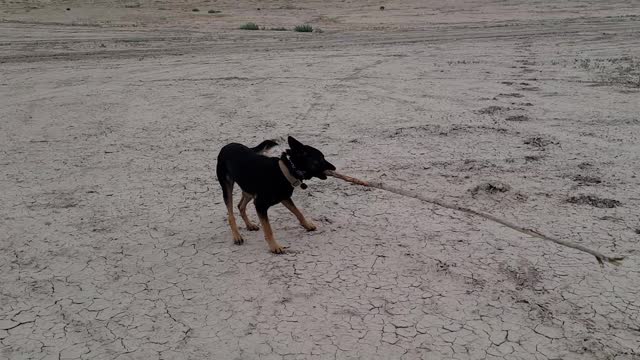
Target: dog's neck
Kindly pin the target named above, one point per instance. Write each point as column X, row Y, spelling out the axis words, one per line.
column 289, row 170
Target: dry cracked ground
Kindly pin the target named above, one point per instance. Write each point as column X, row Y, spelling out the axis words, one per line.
column 113, row 236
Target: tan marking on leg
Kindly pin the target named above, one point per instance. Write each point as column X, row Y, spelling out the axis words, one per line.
column 268, row 235
column 237, row 238
column 242, row 206
column 304, row 222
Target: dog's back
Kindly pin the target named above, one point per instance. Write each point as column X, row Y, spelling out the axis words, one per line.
column 242, row 164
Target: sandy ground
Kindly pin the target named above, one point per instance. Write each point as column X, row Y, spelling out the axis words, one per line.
column 113, row 236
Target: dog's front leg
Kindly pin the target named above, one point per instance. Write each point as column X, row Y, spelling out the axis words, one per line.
column 266, row 227
column 288, row 203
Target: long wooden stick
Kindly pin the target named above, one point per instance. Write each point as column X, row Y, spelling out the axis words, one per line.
column 600, row 257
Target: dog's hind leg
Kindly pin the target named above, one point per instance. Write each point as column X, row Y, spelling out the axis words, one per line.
column 288, row 203
column 227, row 195
column 242, row 206
column 237, row 238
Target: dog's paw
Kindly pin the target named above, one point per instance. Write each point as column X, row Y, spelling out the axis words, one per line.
column 277, row 249
column 253, row 227
column 238, row 241
column 309, row 226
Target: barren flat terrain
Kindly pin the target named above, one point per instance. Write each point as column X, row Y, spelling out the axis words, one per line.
column 114, row 242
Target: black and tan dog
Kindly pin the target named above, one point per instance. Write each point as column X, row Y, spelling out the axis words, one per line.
column 267, row 180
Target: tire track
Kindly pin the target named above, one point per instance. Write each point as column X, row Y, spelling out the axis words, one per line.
column 234, row 42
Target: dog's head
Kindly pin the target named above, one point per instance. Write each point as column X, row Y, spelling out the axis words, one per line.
column 308, row 160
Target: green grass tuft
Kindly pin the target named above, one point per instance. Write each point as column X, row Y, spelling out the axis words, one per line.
column 303, row 28
column 249, row 26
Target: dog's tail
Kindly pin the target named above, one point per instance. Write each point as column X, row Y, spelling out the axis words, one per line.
column 264, row 146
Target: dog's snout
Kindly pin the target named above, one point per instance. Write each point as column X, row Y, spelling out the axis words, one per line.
column 330, row 166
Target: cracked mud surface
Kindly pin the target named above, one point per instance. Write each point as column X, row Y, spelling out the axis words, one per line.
column 113, row 236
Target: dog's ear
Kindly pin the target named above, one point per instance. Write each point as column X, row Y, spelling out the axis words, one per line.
column 295, row 144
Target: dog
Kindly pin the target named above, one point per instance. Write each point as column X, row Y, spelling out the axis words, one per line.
column 268, row 181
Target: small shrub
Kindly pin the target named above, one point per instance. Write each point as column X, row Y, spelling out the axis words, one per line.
column 214, row 11
column 195, row 10
column 303, row 28
column 278, row 29
column 250, row 26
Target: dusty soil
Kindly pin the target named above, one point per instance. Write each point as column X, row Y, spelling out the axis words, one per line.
column 113, row 237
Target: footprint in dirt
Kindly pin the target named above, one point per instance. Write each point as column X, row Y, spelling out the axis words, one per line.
column 508, row 95
column 525, row 86
column 491, row 110
column 540, row 142
column 517, row 118
column 520, row 86
column 593, row 200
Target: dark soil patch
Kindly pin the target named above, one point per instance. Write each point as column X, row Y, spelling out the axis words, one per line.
column 490, row 110
column 586, row 179
column 524, row 275
column 474, row 165
column 517, row 118
column 594, row 201
column 538, row 142
column 490, row 187
column 515, row 95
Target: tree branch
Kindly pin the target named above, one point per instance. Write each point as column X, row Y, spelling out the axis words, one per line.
column 600, row 257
